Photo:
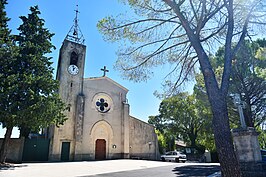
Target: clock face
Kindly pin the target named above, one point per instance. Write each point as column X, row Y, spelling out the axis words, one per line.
column 73, row 69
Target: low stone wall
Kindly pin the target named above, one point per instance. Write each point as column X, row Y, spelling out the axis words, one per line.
column 143, row 156
column 15, row 150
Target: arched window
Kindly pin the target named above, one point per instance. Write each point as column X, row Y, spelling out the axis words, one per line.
column 74, row 58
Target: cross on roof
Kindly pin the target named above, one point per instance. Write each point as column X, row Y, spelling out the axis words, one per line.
column 104, row 71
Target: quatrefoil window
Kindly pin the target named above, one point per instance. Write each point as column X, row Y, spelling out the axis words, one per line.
column 102, row 102
column 102, row 105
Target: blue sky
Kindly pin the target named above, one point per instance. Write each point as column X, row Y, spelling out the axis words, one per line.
column 59, row 16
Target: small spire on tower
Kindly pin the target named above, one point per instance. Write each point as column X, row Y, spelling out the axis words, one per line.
column 75, row 33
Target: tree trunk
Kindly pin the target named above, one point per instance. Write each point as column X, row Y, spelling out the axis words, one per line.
column 192, row 137
column 217, row 96
column 24, row 132
column 4, row 146
column 221, row 128
column 223, row 139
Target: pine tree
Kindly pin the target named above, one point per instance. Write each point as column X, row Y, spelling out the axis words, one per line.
column 8, row 52
column 29, row 95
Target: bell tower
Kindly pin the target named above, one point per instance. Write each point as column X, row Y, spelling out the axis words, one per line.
column 70, row 74
column 72, row 56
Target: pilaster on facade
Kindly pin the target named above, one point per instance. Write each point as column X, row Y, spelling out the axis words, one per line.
column 126, row 129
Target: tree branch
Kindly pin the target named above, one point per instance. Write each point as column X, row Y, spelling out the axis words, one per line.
column 141, row 21
column 156, row 52
column 213, row 34
column 150, row 28
column 154, row 42
column 228, row 49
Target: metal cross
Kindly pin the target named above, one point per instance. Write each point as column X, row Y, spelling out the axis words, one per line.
column 104, row 70
column 76, row 22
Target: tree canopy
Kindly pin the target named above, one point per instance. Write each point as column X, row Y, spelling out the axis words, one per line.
column 185, row 118
column 28, row 92
column 247, row 79
column 156, row 34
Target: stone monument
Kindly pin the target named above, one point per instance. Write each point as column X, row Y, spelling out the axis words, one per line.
column 247, row 145
column 245, row 138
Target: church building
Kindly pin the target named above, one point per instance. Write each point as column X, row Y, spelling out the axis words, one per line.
column 99, row 125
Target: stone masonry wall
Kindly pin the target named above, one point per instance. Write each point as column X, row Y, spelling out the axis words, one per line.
column 142, row 140
column 15, row 150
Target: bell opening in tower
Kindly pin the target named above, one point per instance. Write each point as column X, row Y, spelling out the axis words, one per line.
column 74, row 58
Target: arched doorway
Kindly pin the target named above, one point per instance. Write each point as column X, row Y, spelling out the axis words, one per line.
column 102, row 138
column 100, row 149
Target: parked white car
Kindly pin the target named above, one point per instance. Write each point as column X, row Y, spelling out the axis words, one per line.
column 174, row 156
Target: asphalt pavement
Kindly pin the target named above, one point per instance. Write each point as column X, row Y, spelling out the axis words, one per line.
column 110, row 168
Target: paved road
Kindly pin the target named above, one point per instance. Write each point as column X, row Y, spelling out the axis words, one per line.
column 166, row 171
column 110, row 168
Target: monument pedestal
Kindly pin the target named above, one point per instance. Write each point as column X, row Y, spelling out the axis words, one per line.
column 246, row 144
column 248, row 152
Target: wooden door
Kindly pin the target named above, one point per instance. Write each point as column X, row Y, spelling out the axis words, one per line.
column 100, row 149
column 65, row 151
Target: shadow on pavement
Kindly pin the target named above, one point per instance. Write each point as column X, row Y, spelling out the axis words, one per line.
column 196, row 171
column 10, row 166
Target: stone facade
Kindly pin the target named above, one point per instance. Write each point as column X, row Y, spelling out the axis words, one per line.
column 143, row 142
column 99, row 125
